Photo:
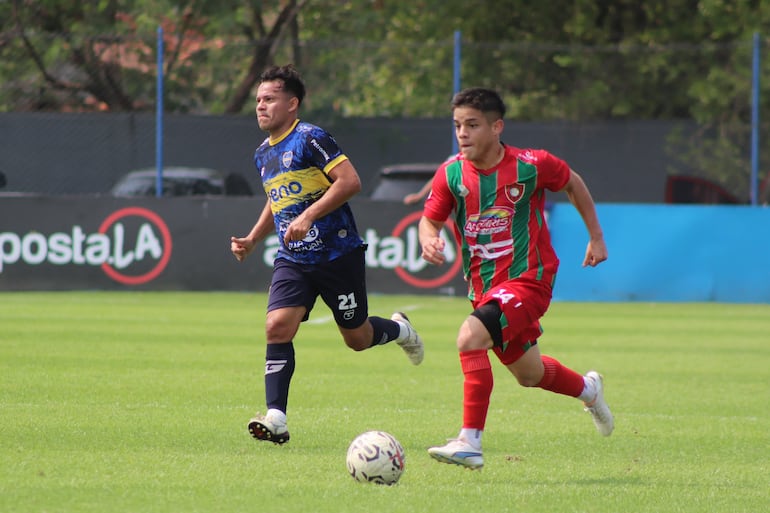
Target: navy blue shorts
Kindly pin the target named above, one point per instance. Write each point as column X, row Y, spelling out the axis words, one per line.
column 341, row 284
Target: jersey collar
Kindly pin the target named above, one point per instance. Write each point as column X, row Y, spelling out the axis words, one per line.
column 283, row 136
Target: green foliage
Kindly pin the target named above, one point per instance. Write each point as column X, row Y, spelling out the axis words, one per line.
column 556, row 60
column 139, row 402
column 561, row 60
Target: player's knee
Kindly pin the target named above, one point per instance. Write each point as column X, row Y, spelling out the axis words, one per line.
column 527, row 376
column 471, row 340
column 481, row 330
column 278, row 330
column 359, row 338
column 529, row 380
column 356, row 342
column 467, row 343
column 357, row 346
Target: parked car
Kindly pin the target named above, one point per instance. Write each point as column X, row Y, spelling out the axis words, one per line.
column 396, row 181
column 182, row 181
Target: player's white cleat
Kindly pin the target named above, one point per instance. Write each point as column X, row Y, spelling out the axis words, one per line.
column 458, row 452
column 598, row 408
column 269, row 428
column 412, row 344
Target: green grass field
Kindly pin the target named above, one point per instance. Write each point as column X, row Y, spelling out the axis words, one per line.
column 138, row 402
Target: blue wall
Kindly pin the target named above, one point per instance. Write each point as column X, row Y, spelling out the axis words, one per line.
column 666, row 253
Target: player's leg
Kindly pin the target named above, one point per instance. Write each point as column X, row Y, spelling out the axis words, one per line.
column 521, row 304
column 473, row 343
column 560, row 379
column 342, row 286
column 499, row 317
column 532, row 369
column 289, row 302
column 408, row 339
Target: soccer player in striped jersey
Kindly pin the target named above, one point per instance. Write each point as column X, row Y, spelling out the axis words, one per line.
column 495, row 194
column 308, row 181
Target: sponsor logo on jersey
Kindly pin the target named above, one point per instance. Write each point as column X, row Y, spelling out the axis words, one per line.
column 491, row 221
column 284, row 191
column 492, row 250
column 318, row 147
column 311, row 242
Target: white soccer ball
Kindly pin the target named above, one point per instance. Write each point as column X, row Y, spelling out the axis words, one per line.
column 375, row 457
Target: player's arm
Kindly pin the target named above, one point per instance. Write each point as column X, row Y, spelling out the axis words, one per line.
column 438, row 206
column 432, row 244
column 414, row 197
column 345, row 184
column 580, row 197
column 242, row 246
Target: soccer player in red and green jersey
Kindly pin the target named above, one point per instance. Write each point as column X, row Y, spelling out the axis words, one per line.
column 496, row 196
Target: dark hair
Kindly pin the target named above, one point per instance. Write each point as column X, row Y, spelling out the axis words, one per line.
column 479, row 98
column 292, row 82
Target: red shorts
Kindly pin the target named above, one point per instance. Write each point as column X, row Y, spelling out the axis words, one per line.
column 523, row 303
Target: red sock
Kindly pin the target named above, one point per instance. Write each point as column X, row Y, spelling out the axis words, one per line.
column 477, row 387
column 560, row 379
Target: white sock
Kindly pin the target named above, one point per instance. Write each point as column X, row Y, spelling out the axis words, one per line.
column 472, row 436
column 403, row 331
column 589, row 390
column 276, row 416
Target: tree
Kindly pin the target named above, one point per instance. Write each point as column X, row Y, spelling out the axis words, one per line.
column 101, row 55
column 265, row 42
column 565, row 59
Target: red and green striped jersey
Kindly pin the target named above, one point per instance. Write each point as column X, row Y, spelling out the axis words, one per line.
column 499, row 213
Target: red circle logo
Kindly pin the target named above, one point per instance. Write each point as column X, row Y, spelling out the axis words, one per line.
column 402, row 273
column 165, row 234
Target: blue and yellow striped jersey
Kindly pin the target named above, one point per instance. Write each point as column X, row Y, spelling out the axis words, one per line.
column 294, row 175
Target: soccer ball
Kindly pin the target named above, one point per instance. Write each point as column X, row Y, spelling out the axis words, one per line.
column 375, row 457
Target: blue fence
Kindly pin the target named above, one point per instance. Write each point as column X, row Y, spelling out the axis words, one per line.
column 667, row 253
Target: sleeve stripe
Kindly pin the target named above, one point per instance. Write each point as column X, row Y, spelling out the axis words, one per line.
column 331, row 165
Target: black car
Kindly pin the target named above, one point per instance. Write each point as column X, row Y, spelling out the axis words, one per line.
column 396, row 181
column 182, row 181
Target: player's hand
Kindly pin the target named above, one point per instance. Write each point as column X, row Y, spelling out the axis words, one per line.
column 297, row 229
column 411, row 199
column 433, row 251
column 596, row 253
column 241, row 247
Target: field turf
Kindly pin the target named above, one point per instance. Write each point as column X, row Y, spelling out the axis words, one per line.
column 138, row 402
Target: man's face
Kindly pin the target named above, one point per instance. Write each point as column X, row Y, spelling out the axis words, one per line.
column 477, row 136
column 276, row 109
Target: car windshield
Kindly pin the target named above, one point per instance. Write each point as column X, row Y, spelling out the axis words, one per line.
column 145, row 186
column 396, row 187
column 396, row 181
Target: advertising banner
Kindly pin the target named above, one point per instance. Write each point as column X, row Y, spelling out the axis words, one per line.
column 54, row 243
column 656, row 252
